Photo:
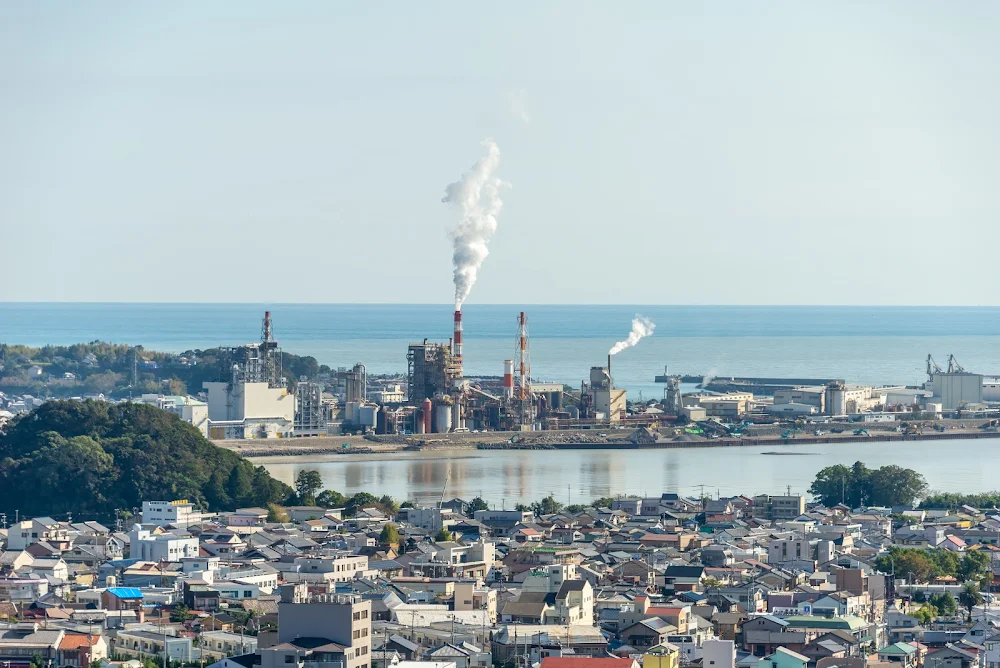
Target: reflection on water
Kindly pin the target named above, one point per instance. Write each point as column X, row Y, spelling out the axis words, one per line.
column 520, row 476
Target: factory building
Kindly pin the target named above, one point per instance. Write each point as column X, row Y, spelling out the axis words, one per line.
column 430, row 371
column 842, row 399
column 311, row 415
column 991, row 389
column 601, row 399
column 189, row 409
column 254, row 401
column 731, row 405
column 809, row 396
column 953, row 387
column 957, row 389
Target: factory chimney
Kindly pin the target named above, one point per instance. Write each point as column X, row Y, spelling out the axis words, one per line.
column 508, row 379
column 456, row 346
column 609, row 371
column 266, row 333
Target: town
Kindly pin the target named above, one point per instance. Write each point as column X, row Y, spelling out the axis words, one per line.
column 769, row 581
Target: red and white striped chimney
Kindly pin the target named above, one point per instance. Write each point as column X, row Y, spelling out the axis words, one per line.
column 508, row 379
column 456, row 342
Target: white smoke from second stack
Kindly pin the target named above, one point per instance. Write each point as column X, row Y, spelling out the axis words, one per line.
column 641, row 328
column 478, row 197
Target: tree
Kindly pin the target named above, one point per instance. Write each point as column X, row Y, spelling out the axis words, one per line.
column 907, row 563
column 331, row 499
column 970, row 597
column 896, row 486
column 478, row 503
column 521, row 508
column 945, row 604
column 307, row 483
column 830, row 485
column 407, row 504
column 276, row 513
column 389, row 535
column 858, row 485
column 974, row 566
column 93, row 457
column 603, row 502
column 442, row 536
column 926, row 614
column 919, row 596
column 546, row 506
column 388, row 504
column 711, row 583
column 180, row 614
column 360, row 500
column 945, row 562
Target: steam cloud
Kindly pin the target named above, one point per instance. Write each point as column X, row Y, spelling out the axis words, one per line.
column 478, row 197
column 641, row 328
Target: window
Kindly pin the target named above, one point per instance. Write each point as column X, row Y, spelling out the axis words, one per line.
column 289, row 658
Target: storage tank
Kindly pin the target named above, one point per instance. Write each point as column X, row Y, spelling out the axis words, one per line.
column 381, row 422
column 456, row 415
column 442, row 421
column 367, row 416
column 425, row 415
column 836, row 400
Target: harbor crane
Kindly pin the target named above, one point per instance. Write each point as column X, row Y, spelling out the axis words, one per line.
column 932, row 368
column 954, row 366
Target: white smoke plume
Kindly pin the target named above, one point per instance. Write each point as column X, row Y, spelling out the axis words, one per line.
column 478, row 197
column 641, row 328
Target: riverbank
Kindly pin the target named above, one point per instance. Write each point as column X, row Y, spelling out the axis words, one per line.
column 367, row 447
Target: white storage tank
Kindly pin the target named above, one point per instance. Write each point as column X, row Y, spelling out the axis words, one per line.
column 442, row 418
column 367, row 416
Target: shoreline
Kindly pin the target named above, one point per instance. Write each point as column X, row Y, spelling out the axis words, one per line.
column 359, row 449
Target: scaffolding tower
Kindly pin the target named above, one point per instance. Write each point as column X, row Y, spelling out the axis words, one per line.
column 522, row 382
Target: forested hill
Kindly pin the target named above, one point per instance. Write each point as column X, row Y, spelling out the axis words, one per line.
column 108, row 368
column 90, row 457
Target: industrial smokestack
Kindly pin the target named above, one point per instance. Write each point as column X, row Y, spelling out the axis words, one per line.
column 508, row 379
column 641, row 328
column 456, row 346
column 478, row 197
column 266, row 334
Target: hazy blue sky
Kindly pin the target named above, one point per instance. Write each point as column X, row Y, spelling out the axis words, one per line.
column 706, row 153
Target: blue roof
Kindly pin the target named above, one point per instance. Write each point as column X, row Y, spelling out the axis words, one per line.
column 125, row 592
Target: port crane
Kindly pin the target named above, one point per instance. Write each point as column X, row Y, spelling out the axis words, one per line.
column 932, row 368
column 954, row 366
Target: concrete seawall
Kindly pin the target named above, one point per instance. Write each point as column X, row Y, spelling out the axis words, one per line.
column 802, row 440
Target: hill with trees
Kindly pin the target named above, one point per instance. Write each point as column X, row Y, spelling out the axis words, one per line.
column 115, row 369
column 90, row 458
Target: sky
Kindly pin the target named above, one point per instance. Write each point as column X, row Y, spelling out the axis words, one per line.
column 657, row 152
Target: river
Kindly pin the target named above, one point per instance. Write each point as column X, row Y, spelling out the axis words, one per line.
column 504, row 478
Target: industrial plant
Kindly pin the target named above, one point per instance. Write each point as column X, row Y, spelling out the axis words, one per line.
column 256, row 400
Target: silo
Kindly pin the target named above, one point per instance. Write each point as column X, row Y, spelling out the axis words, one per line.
column 425, row 414
column 442, row 421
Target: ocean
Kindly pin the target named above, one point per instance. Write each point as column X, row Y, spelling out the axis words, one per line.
column 878, row 345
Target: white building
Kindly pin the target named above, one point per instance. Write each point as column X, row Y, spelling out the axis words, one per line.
column 28, row 532
column 161, row 513
column 190, row 410
column 249, row 410
column 955, row 390
column 718, row 654
column 148, row 546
